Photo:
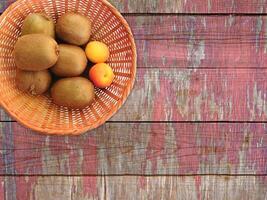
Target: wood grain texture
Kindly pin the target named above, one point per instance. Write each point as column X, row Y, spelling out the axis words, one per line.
column 193, row 68
column 52, row 188
column 195, row 95
column 134, row 148
column 2, row 189
column 138, row 187
column 181, row 6
column 181, row 188
column 200, row 41
column 192, row 6
column 202, row 95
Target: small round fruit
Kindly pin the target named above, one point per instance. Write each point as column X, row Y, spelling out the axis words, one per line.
column 73, row 28
column 101, row 75
column 38, row 23
column 76, row 92
column 35, row 52
column 97, row 52
column 34, row 82
column 71, row 62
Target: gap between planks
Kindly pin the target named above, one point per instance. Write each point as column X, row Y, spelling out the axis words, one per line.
column 188, row 14
column 194, row 14
column 132, row 175
column 170, row 122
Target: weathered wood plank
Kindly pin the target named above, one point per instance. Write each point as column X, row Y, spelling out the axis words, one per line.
column 2, row 189
column 53, row 188
column 181, row 6
column 151, row 149
column 180, row 188
column 192, row 6
column 140, row 187
column 196, row 95
column 200, row 41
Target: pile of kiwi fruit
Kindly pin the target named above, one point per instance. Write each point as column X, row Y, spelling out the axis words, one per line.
column 50, row 58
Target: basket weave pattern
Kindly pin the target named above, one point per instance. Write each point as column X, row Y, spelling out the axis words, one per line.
column 39, row 112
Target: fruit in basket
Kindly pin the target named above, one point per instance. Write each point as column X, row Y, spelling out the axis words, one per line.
column 101, row 75
column 34, row 82
column 73, row 28
column 35, row 52
column 71, row 62
column 75, row 92
column 97, row 52
column 38, row 23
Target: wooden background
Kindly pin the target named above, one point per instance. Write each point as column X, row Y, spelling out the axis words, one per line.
column 194, row 126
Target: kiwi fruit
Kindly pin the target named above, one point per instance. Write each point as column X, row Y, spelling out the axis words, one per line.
column 73, row 28
column 75, row 92
column 72, row 61
column 34, row 82
column 38, row 23
column 35, row 52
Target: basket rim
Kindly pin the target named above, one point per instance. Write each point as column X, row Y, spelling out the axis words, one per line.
column 113, row 110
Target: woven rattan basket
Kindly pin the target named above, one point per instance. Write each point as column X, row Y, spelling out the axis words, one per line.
column 40, row 113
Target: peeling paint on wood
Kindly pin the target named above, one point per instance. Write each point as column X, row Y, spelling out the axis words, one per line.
column 180, row 188
column 156, row 188
column 151, row 149
column 194, row 68
column 212, row 41
column 197, row 95
column 68, row 188
column 182, row 6
column 2, row 188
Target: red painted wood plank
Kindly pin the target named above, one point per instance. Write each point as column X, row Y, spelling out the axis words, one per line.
column 2, row 188
column 225, row 6
column 194, row 188
column 151, row 149
column 143, row 188
column 52, row 187
column 200, row 41
column 197, row 95
column 182, row 6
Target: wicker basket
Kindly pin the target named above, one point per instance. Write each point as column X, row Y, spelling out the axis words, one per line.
column 40, row 113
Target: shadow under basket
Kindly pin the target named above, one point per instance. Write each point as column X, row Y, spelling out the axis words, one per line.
column 39, row 113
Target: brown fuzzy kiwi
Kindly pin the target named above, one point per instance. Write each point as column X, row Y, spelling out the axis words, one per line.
column 71, row 62
column 73, row 28
column 35, row 52
column 38, row 23
column 34, row 82
column 75, row 92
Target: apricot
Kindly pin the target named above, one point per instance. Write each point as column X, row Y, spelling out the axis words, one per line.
column 101, row 75
column 97, row 52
